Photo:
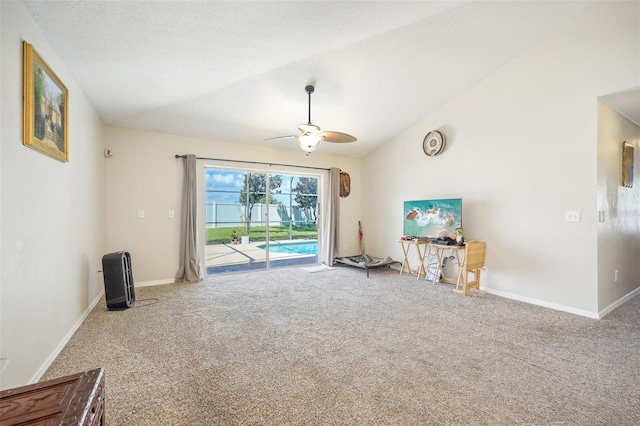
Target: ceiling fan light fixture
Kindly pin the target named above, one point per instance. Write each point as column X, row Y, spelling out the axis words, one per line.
column 308, row 128
column 312, row 136
column 309, row 143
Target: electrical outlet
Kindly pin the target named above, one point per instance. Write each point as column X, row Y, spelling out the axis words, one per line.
column 140, row 214
column 172, row 214
column 616, row 275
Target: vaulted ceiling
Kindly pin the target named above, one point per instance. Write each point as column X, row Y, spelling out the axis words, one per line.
column 236, row 70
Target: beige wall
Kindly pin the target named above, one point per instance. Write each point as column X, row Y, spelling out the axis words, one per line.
column 521, row 151
column 53, row 217
column 144, row 174
column 619, row 232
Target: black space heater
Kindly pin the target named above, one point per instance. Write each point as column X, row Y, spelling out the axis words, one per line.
column 118, row 280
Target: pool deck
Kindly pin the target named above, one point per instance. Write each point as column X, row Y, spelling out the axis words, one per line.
column 227, row 257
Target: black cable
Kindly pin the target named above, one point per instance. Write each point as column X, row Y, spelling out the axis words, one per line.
column 153, row 300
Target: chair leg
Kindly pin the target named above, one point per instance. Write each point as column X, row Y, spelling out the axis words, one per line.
column 477, row 275
column 469, row 288
column 465, row 289
column 463, row 278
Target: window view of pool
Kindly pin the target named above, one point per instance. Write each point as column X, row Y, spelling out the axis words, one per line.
column 304, row 247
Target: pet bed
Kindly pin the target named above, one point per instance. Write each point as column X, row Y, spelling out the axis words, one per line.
column 366, row 262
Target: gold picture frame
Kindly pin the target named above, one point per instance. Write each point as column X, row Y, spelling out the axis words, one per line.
column 45, row 107
column 627, row 164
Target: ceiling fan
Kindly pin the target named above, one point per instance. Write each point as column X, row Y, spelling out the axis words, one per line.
column 310, row 135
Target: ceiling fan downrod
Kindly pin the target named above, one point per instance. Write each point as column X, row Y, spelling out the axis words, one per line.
column 309, row 89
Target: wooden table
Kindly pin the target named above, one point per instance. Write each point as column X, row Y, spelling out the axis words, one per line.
column 72, row 400
column 421, row 248
column 440, row 250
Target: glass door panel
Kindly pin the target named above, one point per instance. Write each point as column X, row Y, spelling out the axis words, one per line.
column 293, row 220
column 259, row 220
column 233, row 220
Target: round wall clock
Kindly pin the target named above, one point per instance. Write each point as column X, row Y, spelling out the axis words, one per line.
column 433, row 143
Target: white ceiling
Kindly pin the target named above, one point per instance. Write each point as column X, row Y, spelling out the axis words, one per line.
column 236, row 70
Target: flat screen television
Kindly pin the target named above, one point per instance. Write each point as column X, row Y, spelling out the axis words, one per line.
column 432, row 218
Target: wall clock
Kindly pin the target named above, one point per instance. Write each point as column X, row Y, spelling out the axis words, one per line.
column 433, row 143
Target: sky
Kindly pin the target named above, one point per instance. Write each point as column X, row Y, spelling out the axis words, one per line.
column 231, row 182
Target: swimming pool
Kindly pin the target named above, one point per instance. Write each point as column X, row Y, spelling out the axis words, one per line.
column 303, row 247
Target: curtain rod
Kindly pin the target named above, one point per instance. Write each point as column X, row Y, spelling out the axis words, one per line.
column 253, row 162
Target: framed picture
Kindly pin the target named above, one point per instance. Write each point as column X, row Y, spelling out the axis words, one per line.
column 627, row 164
column 345, row 184
column 45, row 107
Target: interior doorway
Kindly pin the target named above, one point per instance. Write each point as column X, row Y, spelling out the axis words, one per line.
column 257, row 220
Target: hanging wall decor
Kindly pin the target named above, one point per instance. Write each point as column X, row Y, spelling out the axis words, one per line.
column 345, row 184
column 45, row 107
column 433, row 143
column 627, row 164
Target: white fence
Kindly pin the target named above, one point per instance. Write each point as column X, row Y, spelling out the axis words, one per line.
column 222, row 215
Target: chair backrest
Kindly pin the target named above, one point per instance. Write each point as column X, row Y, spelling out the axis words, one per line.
column 474, row 254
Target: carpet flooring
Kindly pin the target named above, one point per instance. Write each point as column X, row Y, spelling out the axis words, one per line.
column 289, row 347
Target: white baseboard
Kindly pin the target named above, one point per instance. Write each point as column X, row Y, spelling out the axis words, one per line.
column 36, row 377
column 156, row 282
column 589, row 314
column 543, row 303
column 619, row 302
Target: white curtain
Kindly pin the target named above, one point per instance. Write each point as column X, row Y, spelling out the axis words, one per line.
column 189, row 270
column 330, row 219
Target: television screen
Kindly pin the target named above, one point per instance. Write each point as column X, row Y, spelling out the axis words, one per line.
column 432, row 218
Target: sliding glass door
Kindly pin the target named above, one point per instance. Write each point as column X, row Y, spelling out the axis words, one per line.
column 256, row 220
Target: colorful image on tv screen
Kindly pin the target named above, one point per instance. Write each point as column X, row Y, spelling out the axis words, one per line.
column 432, row 218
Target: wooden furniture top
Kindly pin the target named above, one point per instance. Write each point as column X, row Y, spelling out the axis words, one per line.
column 77, row 399
column 448, row 246
column 414, row 241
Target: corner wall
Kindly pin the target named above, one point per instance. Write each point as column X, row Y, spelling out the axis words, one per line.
column 521, row 151
column 619, row 233
column 53, row 217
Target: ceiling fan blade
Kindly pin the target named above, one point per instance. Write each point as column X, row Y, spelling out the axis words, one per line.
column 337, row 137
column 280, row 138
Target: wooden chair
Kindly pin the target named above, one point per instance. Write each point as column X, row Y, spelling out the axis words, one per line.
column 473, row 262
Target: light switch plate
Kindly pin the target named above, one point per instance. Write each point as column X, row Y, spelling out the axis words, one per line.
column 572, row 216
